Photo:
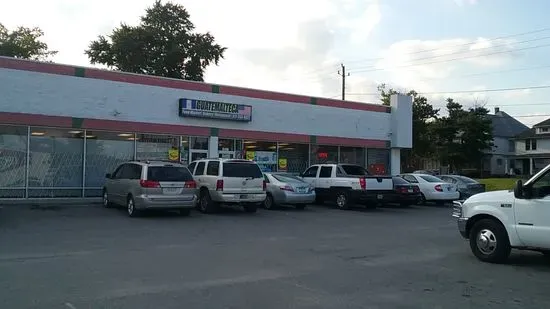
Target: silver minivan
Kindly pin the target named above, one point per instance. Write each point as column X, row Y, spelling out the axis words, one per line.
column 150, row 185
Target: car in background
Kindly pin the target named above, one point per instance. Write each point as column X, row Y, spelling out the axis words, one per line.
column 284, row 188
column 427, row 172
column 466, row 186
column 404, row 192
column 432, row 188
column 150, row 185
column 228, row 182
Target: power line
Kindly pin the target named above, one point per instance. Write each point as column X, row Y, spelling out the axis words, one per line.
column 458, row 45
column 469, row 51
column 468, row 91
column 455, row 59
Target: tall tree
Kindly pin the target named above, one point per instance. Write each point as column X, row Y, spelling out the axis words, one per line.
column 423, row 116
column 163, row 44
column 24, row 43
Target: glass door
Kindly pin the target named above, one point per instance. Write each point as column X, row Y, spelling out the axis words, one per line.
column 227, row 154
column 198, row 154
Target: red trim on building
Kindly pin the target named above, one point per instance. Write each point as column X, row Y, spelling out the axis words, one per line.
column 267, row 95
column 35, row 120
column 61, row 69
column 156, row 128
column 35, row 66
column 146, row 80
column 264, row 136
column 346, row 141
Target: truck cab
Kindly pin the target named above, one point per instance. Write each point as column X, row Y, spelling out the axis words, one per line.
column 495, row 222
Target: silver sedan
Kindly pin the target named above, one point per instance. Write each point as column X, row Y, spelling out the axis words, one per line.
column 284, row 188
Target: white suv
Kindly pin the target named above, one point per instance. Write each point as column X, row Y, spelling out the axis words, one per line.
column 230, row 182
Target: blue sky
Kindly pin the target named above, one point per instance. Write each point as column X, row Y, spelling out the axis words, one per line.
column 297, row 46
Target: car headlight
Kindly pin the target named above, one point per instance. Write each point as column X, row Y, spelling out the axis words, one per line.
column 457, row 209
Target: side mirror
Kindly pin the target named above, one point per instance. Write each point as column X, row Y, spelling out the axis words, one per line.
column 518, row 189
column 108, row 175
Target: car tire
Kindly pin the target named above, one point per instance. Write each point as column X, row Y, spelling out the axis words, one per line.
column 206, row 205
column 301, row 206
column 131, row 207
column 185, row 212
column 250, row 208
column 106, row 202
column 489, row 241
column 269, row 202
column 422, row 200
column 341, row 198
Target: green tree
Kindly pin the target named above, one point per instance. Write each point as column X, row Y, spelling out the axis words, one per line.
column 24, row 43
column 423, row 117
column 163, row 44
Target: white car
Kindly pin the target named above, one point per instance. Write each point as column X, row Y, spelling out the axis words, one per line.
column 433, row 189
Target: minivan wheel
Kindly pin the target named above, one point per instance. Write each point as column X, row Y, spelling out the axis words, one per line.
column 131, row 207
column 106, row 202
column 489, row 241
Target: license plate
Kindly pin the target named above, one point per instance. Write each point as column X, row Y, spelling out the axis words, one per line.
column 410, row 191
column 171, row 190
column 301, row 190
column 243, row 196
column 380, row 196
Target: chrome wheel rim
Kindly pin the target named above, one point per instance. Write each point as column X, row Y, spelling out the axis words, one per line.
column 105, row 199
column 341, row 200
column 130, row 206
column 268, row 202
column 486, row 241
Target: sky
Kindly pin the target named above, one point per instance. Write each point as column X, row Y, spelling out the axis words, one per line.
column 469, row 50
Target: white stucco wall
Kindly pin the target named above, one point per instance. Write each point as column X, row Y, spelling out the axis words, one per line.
column 48, row 94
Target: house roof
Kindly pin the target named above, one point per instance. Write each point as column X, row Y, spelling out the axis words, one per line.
column 531, row 133
column 505, row 125
column 543, row 123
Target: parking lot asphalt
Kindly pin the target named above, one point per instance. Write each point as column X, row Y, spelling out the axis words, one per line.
column 90, row 257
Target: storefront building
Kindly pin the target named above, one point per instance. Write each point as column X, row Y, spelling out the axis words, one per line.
column 63, row 127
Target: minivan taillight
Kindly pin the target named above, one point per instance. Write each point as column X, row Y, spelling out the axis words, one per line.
column 149, row 184
column 363, row 183
column 219, row 185
column 191, row 184
column 265, row 186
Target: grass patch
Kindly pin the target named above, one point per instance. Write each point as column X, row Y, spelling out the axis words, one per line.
column 494, row 184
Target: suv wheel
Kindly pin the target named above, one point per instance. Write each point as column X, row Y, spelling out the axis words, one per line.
column 206, row 205
column 489, row 241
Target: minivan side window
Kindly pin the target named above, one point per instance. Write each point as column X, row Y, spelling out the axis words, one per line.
column 134, row 171
column 200, row 168
column 213, row 168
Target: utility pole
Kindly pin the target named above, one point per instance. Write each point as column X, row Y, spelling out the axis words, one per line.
column 343, row 74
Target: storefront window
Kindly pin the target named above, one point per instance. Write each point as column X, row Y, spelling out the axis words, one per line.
column 264, row 153
column 323, row 154
column 157, row 147
column 56, row 158
column 104, row 153
column 378, row 161
column 239, row 149
column 226, row 144
column 293, row 158
column 13, row 161
column 184, row 150
column 199, row 143
column 352, row 155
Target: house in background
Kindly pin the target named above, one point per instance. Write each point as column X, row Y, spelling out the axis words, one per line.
column 532, row 149
column 499, row 160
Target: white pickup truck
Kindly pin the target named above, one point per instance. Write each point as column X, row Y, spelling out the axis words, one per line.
column 495, row 222
column 347, row 184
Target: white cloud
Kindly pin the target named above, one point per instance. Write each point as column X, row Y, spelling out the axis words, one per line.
column 464, row 2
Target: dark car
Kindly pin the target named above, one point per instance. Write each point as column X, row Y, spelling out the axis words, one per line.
column 404, row 192
column 466, row 186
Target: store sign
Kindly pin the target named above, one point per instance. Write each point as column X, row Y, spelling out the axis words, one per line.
column 214, row 110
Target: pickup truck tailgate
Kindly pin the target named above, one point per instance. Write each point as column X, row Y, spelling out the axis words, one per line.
column 379, row 183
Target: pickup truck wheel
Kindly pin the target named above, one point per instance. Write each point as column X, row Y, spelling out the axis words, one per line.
column 489, row 241
column 342, row 200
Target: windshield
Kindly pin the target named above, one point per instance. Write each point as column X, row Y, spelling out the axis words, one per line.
column 286, row 178
column 354, row 170
column 429, row 178
column 466, row 179
column 242, row 170
column 168, row 173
